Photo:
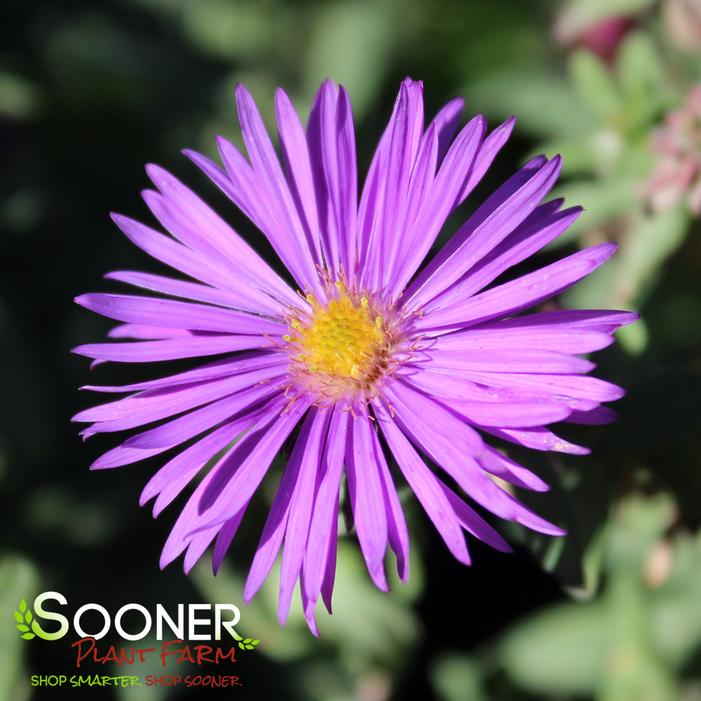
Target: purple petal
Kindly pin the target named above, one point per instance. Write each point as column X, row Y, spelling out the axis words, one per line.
column 179, row 315
column 171, row 349
column 193, row 263
column 424, row 484
column 276, row 523
column 519, row 294
column 153, row 405
column 487, row 153
column 194, row 517
column 247, row 299
column 522, row 360
column 176, row 474
column 445, row 124
column 224, row 537
column 440, row 201
column 237, row 478
column 190, row 220
column 490, row 224
column 144, row 332
column 325, row 506
column 448, row 385
column 544, row 225
column 193, row 423
column 538, row 439
column 366, row 497
column 509, row 414
column 397, row 533
column 473, row 523
column 290, row 242
column 293, row 141
column 594, row 417
column 246, row 362
column 301, row 503
column 509, row 470
column 428, row 429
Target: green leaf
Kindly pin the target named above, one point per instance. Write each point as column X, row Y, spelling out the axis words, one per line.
column 22, row 627
column 561, row 652
column 456, row 678
column 593, row 82
column 18, row 578
column 528, row 91
column 22, row 605
column 642, row 79
column 247, row 640
column 249, row 647
column 28, row 616
column 255, row 642
column 19, row 617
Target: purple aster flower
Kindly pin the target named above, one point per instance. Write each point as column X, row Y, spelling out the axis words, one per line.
column 366, row 358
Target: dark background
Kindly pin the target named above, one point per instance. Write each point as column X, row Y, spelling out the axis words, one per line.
column 89, row 92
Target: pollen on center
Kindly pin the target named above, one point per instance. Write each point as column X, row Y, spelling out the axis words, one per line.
column 342, row 339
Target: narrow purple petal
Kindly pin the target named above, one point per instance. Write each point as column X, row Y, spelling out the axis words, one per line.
column 293, row 141
column 300, row 510
column 179, row 315
column 445, row 124
column 275, row 525
column 397, row 532
column 487, row 153
column 508, row 414
column 236, row 479
column 539, row 229
column 224, row 537
column 246, row 362
column 367, row 502
column 499, row 360
column 248, row 299
column 519, row 294
column 473, row 523
column 145, row 332
column 509, row 470
column 430, row 433
column 153, row 405
column 440, row 201
column 490, row 224
column 196, row 224
column 194, row 517
column 171, row 349
column 176, row 474
column 424, row 484
column 292, row 245
column 538, row 439
column 325, row 505
column 193, row 423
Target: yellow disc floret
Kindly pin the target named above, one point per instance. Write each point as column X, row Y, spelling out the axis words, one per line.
column 342, row 339
column 342, row 346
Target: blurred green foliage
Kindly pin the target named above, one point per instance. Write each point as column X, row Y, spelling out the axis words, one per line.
column 90, row 91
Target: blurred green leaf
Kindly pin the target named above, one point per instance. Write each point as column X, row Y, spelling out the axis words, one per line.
column 18, row 578
column 595, row 85
column 457, row 678
column 350, row 42
column 540, row 99
column 19, row 98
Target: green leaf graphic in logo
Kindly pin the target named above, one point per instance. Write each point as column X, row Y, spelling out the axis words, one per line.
column 23, row 618
column 248, row 644
column 245, row 643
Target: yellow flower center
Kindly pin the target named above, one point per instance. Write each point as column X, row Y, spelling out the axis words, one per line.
column 341, row 347
column 342, row 339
